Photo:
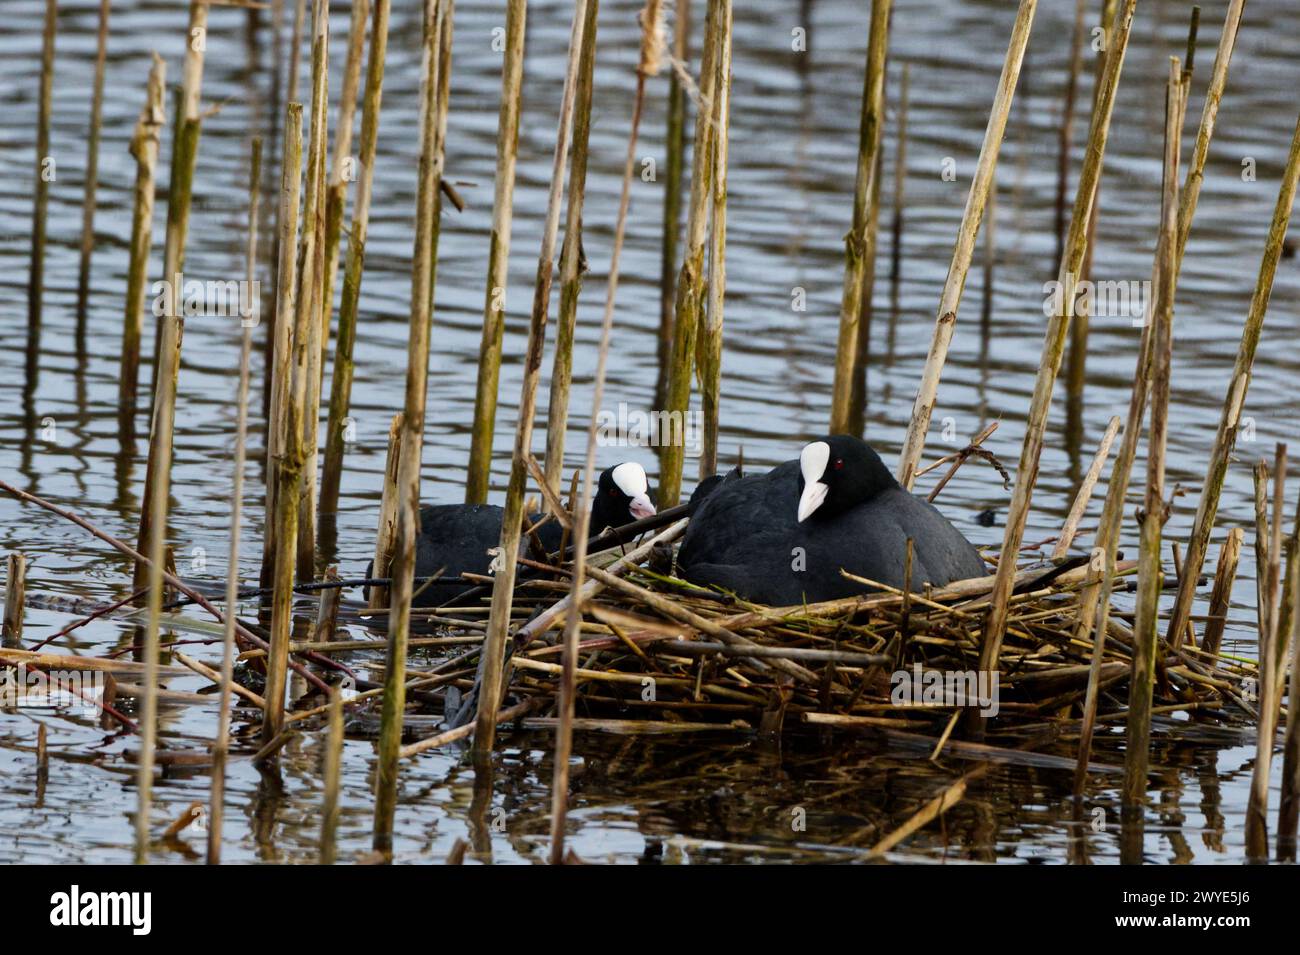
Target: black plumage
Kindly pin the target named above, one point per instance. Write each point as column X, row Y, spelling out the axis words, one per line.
column 456, row 539
column 746, row 534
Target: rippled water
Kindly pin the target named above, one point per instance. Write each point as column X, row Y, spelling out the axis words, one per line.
column 794, row 136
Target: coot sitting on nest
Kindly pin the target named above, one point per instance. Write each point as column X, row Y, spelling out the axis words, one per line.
column 781, row 538
column 455, row 538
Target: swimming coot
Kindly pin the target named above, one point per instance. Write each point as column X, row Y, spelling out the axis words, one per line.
column 456, row 538
column 782, row 537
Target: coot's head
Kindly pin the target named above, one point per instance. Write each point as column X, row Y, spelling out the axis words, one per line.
column 839, row 472
column 622, row 496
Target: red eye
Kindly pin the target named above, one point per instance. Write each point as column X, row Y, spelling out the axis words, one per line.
column 839, row 463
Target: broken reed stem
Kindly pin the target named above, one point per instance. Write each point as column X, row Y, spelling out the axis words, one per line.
column 1054, row 340
column 222, row 744
column 1150, row 572
column 341, row 376
column 1094, row 600
column 711, row 321
column 171, row 324
column 858, row 247
column 153, row 514
column 144, row 147
column 494, row 641
column 331, row 771
column 40, row 209
column 386, row 534
column 11, row 636
column 313, row 314
column 688, row 294
column 1221, row 595
column 284, row 456
column 92, row 161
column 479, row 471
column 435, row 70
column 675, row 148
column 950, row 300
column 1084, row 494
column 286, row 297
column 1274, row 630
column 1067, row 122
column 572, row 263
column 1225, row 439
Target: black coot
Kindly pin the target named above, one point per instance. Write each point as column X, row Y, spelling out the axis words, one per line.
column 781, row 538
column 456, row 538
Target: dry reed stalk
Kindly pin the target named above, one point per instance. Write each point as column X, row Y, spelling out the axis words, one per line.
column 144, row 147
column 504, row 580
column 312, row 309
column 285, row 452
column 709, row 358
column 1067, row 123
column 387, row 531
column 1209, row 115
column 950, row 300
column 1275, row 630
column 11, row 637
column 1225, row 574
column 40, row 209
column 167, row 356
column 479, row 471
column 341, row 375
column 433, row 132
column 1094, row 603
column 1054, row 340
column 286, row 299
column 675, row 147
column 1078, row 351
column 327, row 610
column 1154, row 514
column 92, row 161
column 689, row 291
column 651, row 36
column 153, row 515
column 571, row 262
column 295, row 49
column 1084, row 494
column 221, row 745
column 331, row 772
column 341, row 167
column 1225, row 438
column 858, row 247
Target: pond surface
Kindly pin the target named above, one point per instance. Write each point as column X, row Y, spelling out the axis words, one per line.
column 793, row 153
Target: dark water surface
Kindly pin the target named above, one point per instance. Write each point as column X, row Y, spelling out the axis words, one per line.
column 794, row 139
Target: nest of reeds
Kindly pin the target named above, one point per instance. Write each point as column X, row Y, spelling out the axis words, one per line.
column 659, row 655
